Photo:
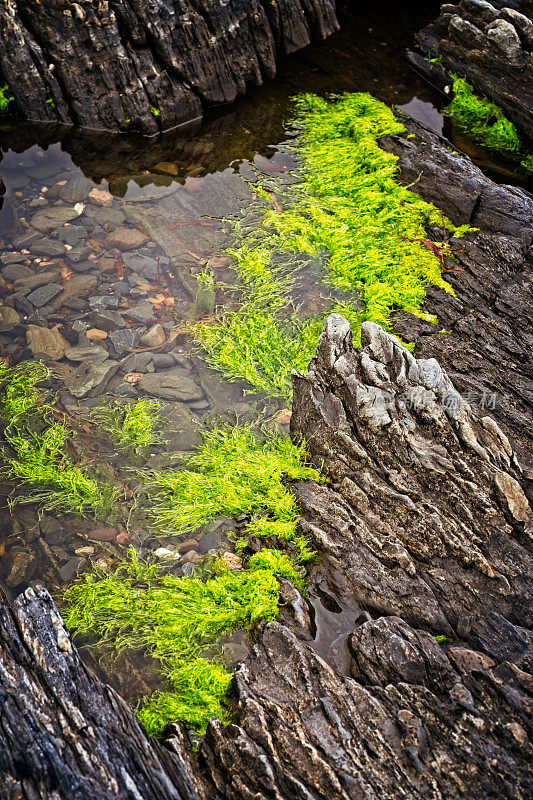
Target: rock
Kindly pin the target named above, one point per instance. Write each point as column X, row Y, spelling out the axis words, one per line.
column 101, row 197
column 16, row 272
column 137, row 362
column 12, row 258
column 19, row 567
column 44, row 294
column 27, row 285
column 77, row 286
column 167, row 168
column 106, row 320
column 492, row 49
column 53, row 217
column 95, row 334
column 220, row 52
column 72, row 234
column 154, row 337
column 8, row 316
column 68, row 570
column 47, row 247
column 109, row 218
column 125, row 239
column 163, row 361
column 144, row 265
column 91, row 377
column 88, row 353
column 142, row 313
column 76, row 189
column 171, row 385
column 124, row 339
column 46, row 343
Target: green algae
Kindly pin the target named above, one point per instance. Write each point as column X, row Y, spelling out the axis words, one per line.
column 6, row 98
column 37, row 443
column 132, row 427
column 234, row 472
column 350, row 211
column 175, row 619
column 486, row 123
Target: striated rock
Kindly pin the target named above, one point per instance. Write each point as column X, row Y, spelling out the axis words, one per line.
column 115, row 64
column 492, row 46
column 46, row 343
column 51, row 704
column 126, row 239
column 171, row 385
column 91, row 377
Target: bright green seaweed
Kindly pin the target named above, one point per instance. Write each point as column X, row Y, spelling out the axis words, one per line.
column 349, row 210
column 36, row 455
column 486, row 123
column 132, row 427
column 175, row 619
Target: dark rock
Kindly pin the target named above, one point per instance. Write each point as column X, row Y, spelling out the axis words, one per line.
column 142, row 264
column 106, row 320
column 76, row 189
column 142, row 313
column 72, row 234
column 47, row 247
column 53, row 216
column 27, row 285
column 68, row 570
column 112, row 63
column 137, row 362
column 170, row 385
column 91, row 377
column 492, row 49
column 20, row 566
column 22, row 305
column 15, row 272
column 41, row 296
column 124, row 339
column 87, row 353
column 161, row 360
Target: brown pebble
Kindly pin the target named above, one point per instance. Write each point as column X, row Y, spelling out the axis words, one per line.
column 102, row 534
column 123, row 538
column 186, row 545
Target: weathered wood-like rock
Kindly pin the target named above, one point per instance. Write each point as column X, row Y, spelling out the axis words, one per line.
column 115, row 64
column 492, row 46
column 63, row 734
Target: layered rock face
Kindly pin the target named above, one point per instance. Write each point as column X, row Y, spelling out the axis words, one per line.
column 491, row 45
column 119, row 64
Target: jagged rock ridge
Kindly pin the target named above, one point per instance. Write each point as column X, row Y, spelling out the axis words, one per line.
column 118, row 64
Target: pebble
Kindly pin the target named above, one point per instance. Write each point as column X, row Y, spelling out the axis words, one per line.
column 85, row 551
column 162, row 361
column 106, row 320
column 154, row 337
column 45, row 342
column 72, row 234
column 53, row 217
column 41, row 296
column 95, row 334
column 101, row 197
column 16, row 272
column 141, row 313
column 90, row 376
column 76, row 189
column 124, row 339
column 102, row 534
column 20, row 567
column 8, row 316
column 170, row 385
column 48, row 247
column 68, row 571
column 125, row 239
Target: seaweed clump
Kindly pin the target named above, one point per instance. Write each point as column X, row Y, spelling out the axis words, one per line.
column 37, row 442
column 234, row 472
column 132, row 427
column 175, row 618
column 348, row 210
column 486, row 123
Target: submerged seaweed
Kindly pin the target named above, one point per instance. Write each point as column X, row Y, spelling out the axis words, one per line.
column 349, row 206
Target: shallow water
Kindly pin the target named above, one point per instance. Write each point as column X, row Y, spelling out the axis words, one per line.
column 172, row 194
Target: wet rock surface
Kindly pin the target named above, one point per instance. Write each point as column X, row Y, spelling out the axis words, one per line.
column 484, row 332
column 491, row 44
column 117, row 65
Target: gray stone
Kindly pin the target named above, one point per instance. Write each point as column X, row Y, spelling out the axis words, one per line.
column 78, row 286
column 79, row 253
column 41, row 296
column 137, row 362
column 142, row 313
column 20, row 567
column 76, row 189
column 8, row 316
column 91, row 377
column 145, row 265
column 106, row 320
column 48, row 247
column 86, row 353
column 124, row 339
column 68, row 571
column 15, row 272
column 23, row 305
column 53, row 217
column 103, row 301
column 162, row 361
column 72, row 234
column 171, row 385
column 82, row 266
column 109, row 217
column 121, row 288
column 27, row 285
column 12, row 258
column 125, row 238
column 155, row 337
